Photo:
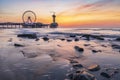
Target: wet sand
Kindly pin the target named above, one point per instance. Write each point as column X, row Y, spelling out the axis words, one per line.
column 51, row 59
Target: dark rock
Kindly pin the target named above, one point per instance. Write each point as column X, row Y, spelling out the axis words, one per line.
column 87, row 36
column 45, row 38
column 103, row 45
column 62, row 39
column 72, row 35
column 94, row 67
column 19, row 45
column 71, row 76
column 79, row 49
column 95, row 51
column 73, row 61
column 118, row 39
column 79, row 71
column 76, row 39
column 112, row 71
column 82, row 76
column 86, row 44
column 77, row 65
column 69, row 40
column 97, row 37
column 116, row 71
column 104, row 74
column 37, row 39
column 115, row 46
column 30, row 36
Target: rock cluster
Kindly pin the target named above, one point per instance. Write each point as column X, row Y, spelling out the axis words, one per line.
column 109, row 72
column 115, row 46
column 88, row 36
column 83, row 75
column 19, row 45
column 79, row 49
column 30, row 36
column 45, row 38
column 80, row 73
column 104, row 74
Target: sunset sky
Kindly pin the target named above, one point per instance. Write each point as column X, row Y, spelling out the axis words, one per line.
column 70, row 13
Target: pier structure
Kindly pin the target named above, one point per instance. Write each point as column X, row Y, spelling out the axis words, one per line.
column 29, row 21
column 10, row 25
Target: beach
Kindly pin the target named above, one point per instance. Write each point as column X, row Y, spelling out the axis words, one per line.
column 54, row 54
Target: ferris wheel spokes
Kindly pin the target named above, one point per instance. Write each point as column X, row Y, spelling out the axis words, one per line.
column 29, row 17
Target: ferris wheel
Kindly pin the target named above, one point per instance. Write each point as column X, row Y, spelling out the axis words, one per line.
column 29, row 17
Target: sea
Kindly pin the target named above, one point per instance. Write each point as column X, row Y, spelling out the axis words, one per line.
column 38, row 59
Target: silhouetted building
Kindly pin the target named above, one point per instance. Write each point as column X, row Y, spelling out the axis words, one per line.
column 54, row 24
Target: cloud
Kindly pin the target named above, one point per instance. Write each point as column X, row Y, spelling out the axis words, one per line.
column 95, row 5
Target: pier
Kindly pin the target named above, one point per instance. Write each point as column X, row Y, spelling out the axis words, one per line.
column 10, row 25
column 29, row 21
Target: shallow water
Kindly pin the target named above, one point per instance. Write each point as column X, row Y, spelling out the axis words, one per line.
column 52, row 60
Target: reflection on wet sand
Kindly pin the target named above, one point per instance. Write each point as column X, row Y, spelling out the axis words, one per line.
column 59, row 55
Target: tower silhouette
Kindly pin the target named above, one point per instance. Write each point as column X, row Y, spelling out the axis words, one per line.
column 54, row 18
column 54, row 24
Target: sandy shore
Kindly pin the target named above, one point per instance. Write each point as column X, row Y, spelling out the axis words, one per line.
column 53, row 56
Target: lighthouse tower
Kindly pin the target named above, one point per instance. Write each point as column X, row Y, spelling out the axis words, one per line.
column 54, row 16
column 54, row 24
